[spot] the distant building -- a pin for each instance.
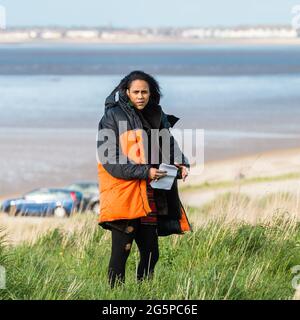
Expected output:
(51, 35)
(234, 33)
(113, 34)
(120, 35)
(8, 36)
(82, 34)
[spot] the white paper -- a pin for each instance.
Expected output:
(165, 182)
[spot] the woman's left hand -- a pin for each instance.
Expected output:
(184, 170)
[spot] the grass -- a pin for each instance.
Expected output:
(221, 259)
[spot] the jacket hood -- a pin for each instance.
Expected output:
(111, 102)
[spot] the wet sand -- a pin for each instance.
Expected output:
(37, 158)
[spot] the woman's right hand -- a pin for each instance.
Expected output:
(155, 174)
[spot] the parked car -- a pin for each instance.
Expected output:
(90, 191)
(44, 202)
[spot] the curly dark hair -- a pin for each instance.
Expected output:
(155, 92)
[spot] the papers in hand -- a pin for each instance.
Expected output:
(165, 182)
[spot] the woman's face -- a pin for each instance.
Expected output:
(139, 93)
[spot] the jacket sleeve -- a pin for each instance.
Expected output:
(111, 163)
(176, 155)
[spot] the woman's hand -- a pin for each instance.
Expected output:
(155, 174)
(184, 170)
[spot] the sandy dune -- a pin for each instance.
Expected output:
(262, 165)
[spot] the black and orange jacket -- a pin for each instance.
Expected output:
(122, 184)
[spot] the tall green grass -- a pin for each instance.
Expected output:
(219, 260)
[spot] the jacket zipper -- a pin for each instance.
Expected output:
(137, 119)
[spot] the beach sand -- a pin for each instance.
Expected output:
(256, 176)
(260, 164)
(163, 40)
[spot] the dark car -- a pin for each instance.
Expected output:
(44, 202)
(90, 191)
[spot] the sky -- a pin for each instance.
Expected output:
(147, 13)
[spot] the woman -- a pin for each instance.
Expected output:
(129, 207)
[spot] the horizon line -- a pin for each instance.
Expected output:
(148, 27)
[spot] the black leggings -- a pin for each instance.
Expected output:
(146, 239)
